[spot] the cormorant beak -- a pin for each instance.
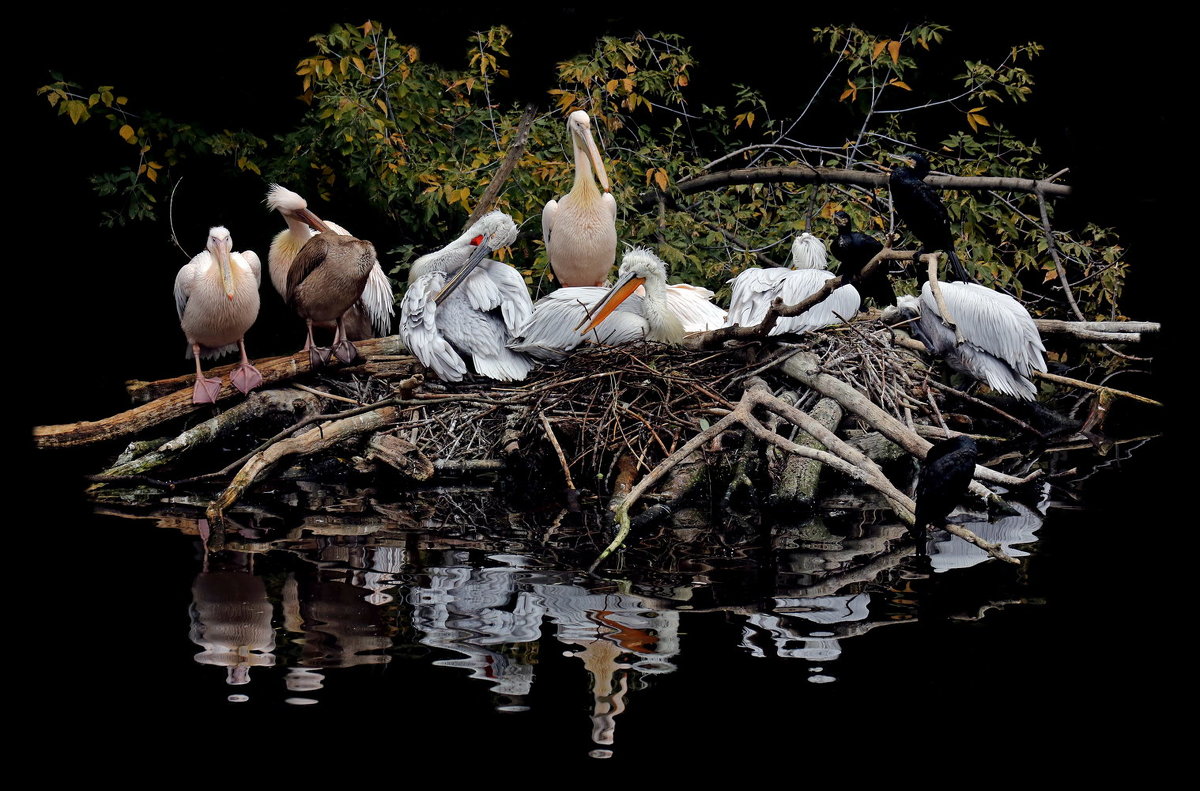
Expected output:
(615, 296)
(481, 251)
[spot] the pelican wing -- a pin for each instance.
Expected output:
(253, 263)
(515, 305)
(311, 256)
(693, 305)
(992, 321)
(378, 300)
(609, 203)
(184, 281)
(419, 331)
(548, 212)
(753, 292)
(549, 332)
(799, 284)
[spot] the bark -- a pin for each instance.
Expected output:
(401, 455)
(515, 149)
(797, 487)
(257, 405)
(312, 441)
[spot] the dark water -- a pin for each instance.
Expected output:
(456, 639)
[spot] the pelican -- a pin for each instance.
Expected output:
(216, 295)
(922, 210)
(580, 231)
(324, 283)
(461, 304)
(755, 289)
(1001, 346)
(642, 307)
(371, 316)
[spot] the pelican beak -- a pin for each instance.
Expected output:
(616, 295)
(593, 154)
(481, 251)
(223, 259)
(313, 220)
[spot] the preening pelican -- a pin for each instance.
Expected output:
(216, 295)
(372, 314)
(642, 307)
(580, 231)
(324, 282)
(461, 304)
(921, 208)
(1001, 346)
(855, 249)
(755, 289)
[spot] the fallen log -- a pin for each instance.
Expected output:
(312, 441)
(178, 403)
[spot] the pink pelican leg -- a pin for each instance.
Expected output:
(206, 390)
(245, 377)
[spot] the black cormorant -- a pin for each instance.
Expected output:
(922, 210)
(945, 476)
(855, 249)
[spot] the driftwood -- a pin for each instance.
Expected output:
(309, 442)
(797, 485)
(179, 403)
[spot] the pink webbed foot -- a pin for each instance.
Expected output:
(318, 356)
(206, 390)
(245, 377)
(345, 351)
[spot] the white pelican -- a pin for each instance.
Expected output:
(216, 295)
(1001, 345)
(324, 283)
(755, 289)
(580, 231)
(655, 312)
(461, 304)
(371, 315)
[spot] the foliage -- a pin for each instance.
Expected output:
(420, 141)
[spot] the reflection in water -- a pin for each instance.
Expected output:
(331, 595)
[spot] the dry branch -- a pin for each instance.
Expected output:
(803, 174)
(309, 442)
(515, 149)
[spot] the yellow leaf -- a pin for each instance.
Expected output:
(611, 86)
(358, 64)
(127, 134)
(971, 122)
(878, 48)
(979, 119)
(328, 67)
(852, 92)
(901, 84)
(367, 27)
(122, 99)
(923, 43)
(894, 51)
(661, 179)
(76, 111)
(382, 105)
(829, 209)
(152, 174)
(974, 109)
(1050, 275)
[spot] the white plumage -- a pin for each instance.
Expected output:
(1001, 346)
(377, 301)
(483, 301)
(755, 289)
(216, 297)
(580, 230)
(651, 310)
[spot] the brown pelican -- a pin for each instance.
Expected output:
(640, 307)
(1001, 346)
(755, 289)
(324, 282)
(461, 304)
(216, 295)
(372, 314)
(580, 231)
